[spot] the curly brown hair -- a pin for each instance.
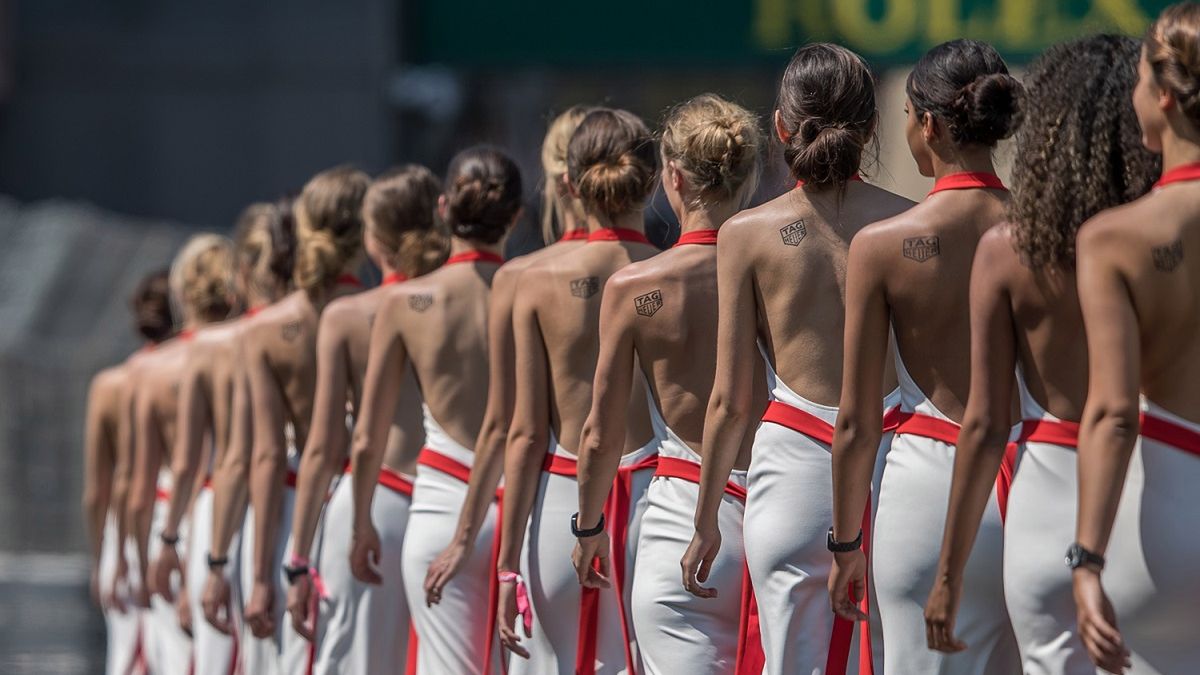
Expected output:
(1079, 146)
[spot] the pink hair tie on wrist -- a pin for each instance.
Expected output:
(523, 608)
(317, 582)
(298, 561)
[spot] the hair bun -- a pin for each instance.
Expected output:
(988, 109)
(483, 195)
(328, 226)
(612, 162)
(1173, 51)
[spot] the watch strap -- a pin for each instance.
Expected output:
(590, 532)
(836, 546)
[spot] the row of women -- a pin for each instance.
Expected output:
(850, 434)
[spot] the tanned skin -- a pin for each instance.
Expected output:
(106, 422)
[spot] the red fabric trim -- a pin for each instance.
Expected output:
(186, 334)
(289, 479)
(393, 278)
(1171, 433)
(1181, 173)
(927, 426)
(162, 495)
(891, 419)
(410, 668)
(474, 256)
(842, 636)
(1004, 478)
(494, 590)
(349, 280)
(1058, 432)
(452, 467)
(617, 512)
(799, 420)
(967, 180)
(395, 481)
(686, 469)
(577, 234)
(697, 237)
(559, 465)
(251, 311)
(751, 660)
(618, 234)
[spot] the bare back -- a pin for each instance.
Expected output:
(156, 387)
(213, 361)
(564, 294)
(442, 320)
(925, 256)
(796, 247)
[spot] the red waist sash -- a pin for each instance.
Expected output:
(447, 465)
(616, 514)
(390, 479)
(1058, 432)
(1170, 433)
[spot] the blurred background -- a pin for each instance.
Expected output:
(127, 125)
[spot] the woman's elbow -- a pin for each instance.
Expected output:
(523, 445)
(1120, 419)
(724, 409)
(984, 433)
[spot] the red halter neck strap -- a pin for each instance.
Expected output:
(1181, 173)
(800, 183)
(617, 234)
(186, 334)
(967, 180)
(349, 280)
(251, 311)
(577, 234)
(474, 256)
(393, 278)
(699, 237)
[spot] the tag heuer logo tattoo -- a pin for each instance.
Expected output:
(585, 287)
(291, 330)
(921, 248)
(793, 234)
(1167, 258)
(420, 303)
(648, 304)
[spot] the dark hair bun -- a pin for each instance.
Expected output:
(483, 194)
(966, 85)
(827, 103)
(151, 306)
(612, 161)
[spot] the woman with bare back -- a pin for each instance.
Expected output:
(561, 213)
(437, 324)
(612, 166)
(1078, 151)
(908, 277)
(279, 355)
(1135, 582)
(201, 284)
(108, 443)
(780, 280)
(205, 415)
(356, 627)
(658, 314)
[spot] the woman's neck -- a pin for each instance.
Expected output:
(1178, 150)
(627, 221)
(710, 218)
(460, 245)
(973, 160)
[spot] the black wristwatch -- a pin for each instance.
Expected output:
(294, 573)
(1078, 556)
(843, 547)
(217, 563)
(169, 541)
(591, 532)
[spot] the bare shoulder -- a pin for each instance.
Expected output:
(109, 380)
(1108, 232)
(880, 204)
(997, 246)
(748, 222)
(340, 314)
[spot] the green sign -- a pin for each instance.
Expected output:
(504, 33)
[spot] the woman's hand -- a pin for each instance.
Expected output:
(591, 561)
(218, 607)
(506, 620)
(160, 572)
(443, 568)
(698, 559)
(365, 553)
(941, 610)
(259, 610)
(848, 583)
(300, 605)
(1098, 623)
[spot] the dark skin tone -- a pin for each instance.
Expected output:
(674, 333)
(791, 298)
(489, 446)
(1138, 290)
(927, 304)
(437, 325)
(1018, 315)
(280, 357)
(555, 326)
(342, 348)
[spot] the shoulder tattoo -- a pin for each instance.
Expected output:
(585, 287)
(793, 233)
(648, 304)
(1167, 258)
(290, 330)
(921, 249)
(420, 302)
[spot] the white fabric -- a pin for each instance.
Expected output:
(362, 628)
(554, 589)
(168, 650)
(452, 635)
(285, 652)
(214, 651)
(676, 631)
(789, 488)
(123, 627)
(907, 541)
(1150, 574)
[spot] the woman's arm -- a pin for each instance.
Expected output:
(524, 454)
(731, 407)
(489, 446)
(98, 461)
(229, 506)
(984, 433)
(1108, 430)
(386, 361)
(268, 466)
(147, 460)
(603, 436)
(859, 426)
